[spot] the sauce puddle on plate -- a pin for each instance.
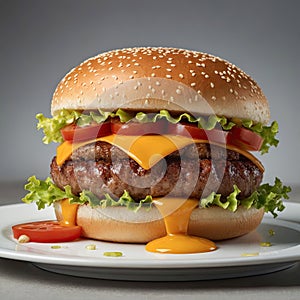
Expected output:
(176, 213)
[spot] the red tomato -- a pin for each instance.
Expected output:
(135, 128)
(47, 232)
(76, 133)
(192, 131)
(245, 139)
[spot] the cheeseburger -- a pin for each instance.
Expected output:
(155, 142)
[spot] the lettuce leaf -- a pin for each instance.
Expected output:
(268, 133)
(267, 196)
(46, 193)
(52, 126)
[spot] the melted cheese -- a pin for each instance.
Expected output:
(68, 213)
(176, 213)
(146, 150)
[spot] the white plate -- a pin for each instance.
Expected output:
(237, 257)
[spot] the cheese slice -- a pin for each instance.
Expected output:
(146, 150)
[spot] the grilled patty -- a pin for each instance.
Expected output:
(193, 172)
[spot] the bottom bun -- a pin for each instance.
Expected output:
(118, 224)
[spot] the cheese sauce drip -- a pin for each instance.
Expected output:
(68, 213)
(176, 213)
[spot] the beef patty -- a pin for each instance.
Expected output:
(193, 172)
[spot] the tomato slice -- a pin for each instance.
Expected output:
(135, 128)
(192, 131)
(245, 139)
(47, 232)
(77, 133)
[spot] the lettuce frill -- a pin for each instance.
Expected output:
(52, 126)
(45, 193)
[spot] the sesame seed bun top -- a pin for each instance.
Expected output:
(151, 79)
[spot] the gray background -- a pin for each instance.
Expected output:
(41, 40)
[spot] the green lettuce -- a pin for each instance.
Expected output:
(52, 126)
(266, 196)
(45, 193)
(267, 132)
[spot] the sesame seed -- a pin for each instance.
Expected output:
(131, 77)
(153, 75)
(157, 83)
(178, 91)
(213, 98)
(181, 75)
(193, 84)
(212, 85)
(109, 69)
(168, 76)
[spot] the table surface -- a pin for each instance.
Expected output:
(22, 280)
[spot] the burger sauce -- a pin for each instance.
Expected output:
(176, 213)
